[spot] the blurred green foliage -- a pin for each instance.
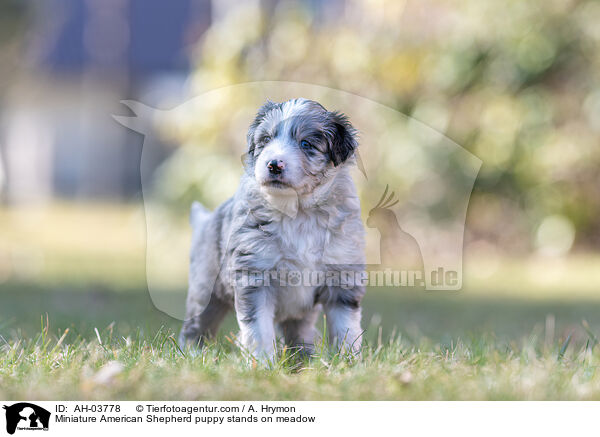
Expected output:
(13, 14)
(513, 82)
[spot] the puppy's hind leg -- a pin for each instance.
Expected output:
(197, 328)
(301, 333)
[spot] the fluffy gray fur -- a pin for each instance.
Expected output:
(304, 217)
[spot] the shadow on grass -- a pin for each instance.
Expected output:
(438, 317)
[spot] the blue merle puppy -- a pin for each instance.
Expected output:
(296, 210)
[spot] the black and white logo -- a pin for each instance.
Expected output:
(26, 416)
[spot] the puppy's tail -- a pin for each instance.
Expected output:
(198, 214)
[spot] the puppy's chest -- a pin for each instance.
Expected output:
(300, 246)
(301, 241)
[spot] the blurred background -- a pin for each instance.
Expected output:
(514, 83)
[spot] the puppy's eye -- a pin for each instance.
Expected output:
(305, 144)
(265, 139)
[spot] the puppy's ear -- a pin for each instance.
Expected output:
(343, 142)
(260, 116)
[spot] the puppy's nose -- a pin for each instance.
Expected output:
(275, 166)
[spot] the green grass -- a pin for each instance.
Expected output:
(505, 336)
(151, 366)
(417, 346)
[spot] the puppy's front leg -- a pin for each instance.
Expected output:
(343, 322)
(255, 313)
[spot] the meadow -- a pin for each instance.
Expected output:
(77, 322)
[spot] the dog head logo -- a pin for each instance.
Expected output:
(430, 175)
(26, 416)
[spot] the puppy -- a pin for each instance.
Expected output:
(295, 213)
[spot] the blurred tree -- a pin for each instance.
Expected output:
(513, 82)
(12, 21)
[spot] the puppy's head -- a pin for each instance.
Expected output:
(297, 146)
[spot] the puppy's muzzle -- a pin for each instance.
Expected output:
(275, 166)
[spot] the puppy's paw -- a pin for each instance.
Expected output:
(262, 360)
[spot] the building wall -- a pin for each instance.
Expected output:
(57, 136)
